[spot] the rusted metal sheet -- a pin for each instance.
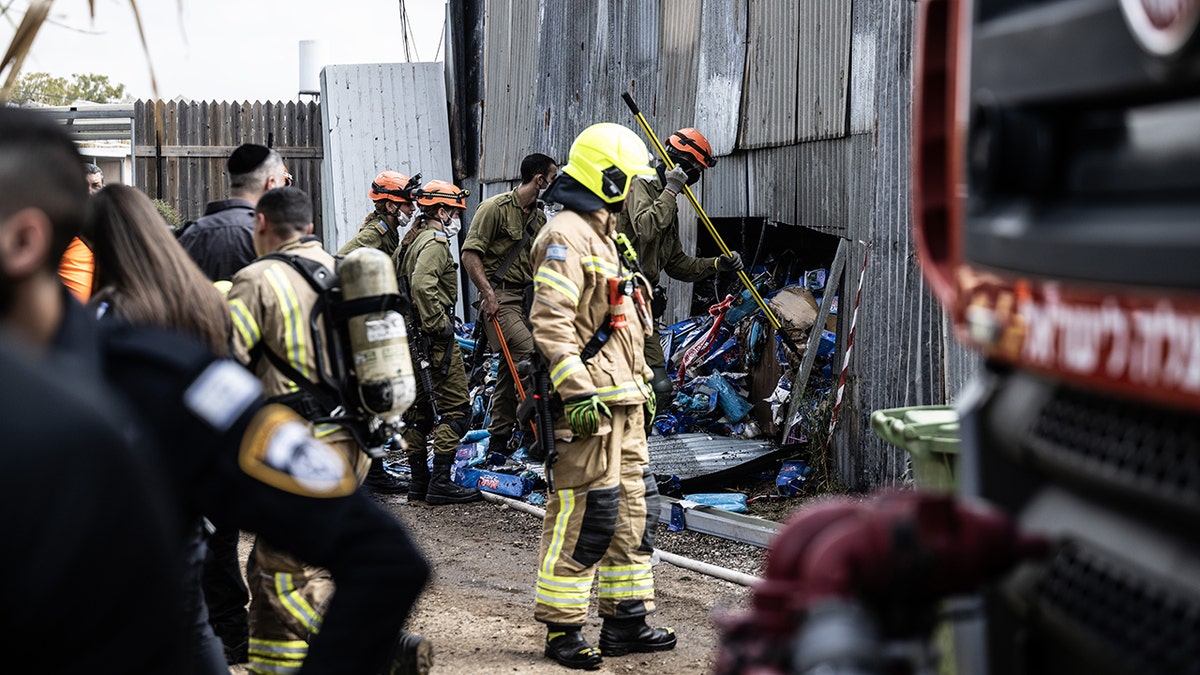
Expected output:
(511, 48)
(720, 71)
(671, 104)
(770, 91)
(724, 189)
(823, 69)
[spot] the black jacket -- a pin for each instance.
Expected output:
(221, 241)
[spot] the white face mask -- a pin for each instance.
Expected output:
(402, 220)
(452, 227)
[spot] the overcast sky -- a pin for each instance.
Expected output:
(225, 50)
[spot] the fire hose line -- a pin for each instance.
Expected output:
(723, 573)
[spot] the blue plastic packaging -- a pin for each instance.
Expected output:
(733, 405)
(792, 477)
(734, 502)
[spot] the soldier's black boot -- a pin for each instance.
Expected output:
(442, 490)
(413, 655)
(619, 637)
(565, 644)
(418, 485)
(379, 480)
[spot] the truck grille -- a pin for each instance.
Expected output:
(1147, 451)
(1150, 628)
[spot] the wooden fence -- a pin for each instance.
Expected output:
(181, 147)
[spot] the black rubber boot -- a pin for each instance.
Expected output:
(619, 637)
(413, 655)
(418, 485)
(568, 648)
(442, 490)
(378, 480)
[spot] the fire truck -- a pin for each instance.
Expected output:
(1056, 174)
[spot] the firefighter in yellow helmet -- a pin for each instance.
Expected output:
(426, 268)
(650, 220)
(600, 515)
(391, 192)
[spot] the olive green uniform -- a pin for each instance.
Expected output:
(377, 231)
(433, 291)
(499, 225)
(651, 221)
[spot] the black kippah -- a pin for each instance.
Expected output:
(247, 157)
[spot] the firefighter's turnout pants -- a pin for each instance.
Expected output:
(288, 598)
(600, 518)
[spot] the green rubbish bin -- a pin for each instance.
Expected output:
(930, 436)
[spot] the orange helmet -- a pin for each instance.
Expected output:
(437, 192)
(692, 143)
(392, 186)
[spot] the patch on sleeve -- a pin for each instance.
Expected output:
(280, 450)
(556, 252)
(381, 227)
(222, 393)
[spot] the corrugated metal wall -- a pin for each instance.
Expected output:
(183, 161)
(807, 105)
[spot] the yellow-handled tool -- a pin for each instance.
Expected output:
(708, 224)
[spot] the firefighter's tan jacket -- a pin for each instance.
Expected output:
(574, 256)
(271, 304)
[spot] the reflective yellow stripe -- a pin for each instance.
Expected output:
(565, 369)
(618, 391)
(566, 500)
(563, 591)
(323, 430)
(244, 321)
(558, 281)
(296, 649)
(265, 666)
(294, 325)
(626, 582)
(295, 604)
(592, 263)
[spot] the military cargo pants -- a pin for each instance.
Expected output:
(450, 395)
(600, 520)
(511, 316)
(288, 597)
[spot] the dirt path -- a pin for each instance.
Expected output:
(479, 608)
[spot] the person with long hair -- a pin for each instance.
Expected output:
(144, 276)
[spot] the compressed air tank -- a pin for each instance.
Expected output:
(378, 339)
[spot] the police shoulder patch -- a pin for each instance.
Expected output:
(280, 450)
(556, 252)
(222, 393)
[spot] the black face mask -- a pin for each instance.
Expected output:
(693, 174)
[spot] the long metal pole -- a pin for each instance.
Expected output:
(512, 367)
(708, 224)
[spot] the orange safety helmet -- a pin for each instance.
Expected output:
(392, 186)
(437, 192)
(690, 142)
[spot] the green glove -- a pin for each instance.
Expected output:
(651, 408)
(583, 415)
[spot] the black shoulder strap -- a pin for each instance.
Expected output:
(515, 251)
(320, 277)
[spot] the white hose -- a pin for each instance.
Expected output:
(716, 571)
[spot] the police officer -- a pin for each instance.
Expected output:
(582, 290)
(650, 220)
(496, 257)
(227, 454)
(391, 192)
(425, 266)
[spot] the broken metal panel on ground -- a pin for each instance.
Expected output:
(691, 456)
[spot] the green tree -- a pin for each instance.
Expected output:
(47, 89)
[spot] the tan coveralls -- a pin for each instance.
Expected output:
(498, 225)
(271, 303)
(601, 515)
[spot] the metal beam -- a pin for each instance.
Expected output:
(716, 522)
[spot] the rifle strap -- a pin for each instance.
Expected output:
(515, 251)
(598, 339)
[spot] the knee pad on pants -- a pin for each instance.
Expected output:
(599, 524)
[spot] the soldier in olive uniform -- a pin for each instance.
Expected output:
(426, 266)
(503, 275)
(651, 221)
(391, 192)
